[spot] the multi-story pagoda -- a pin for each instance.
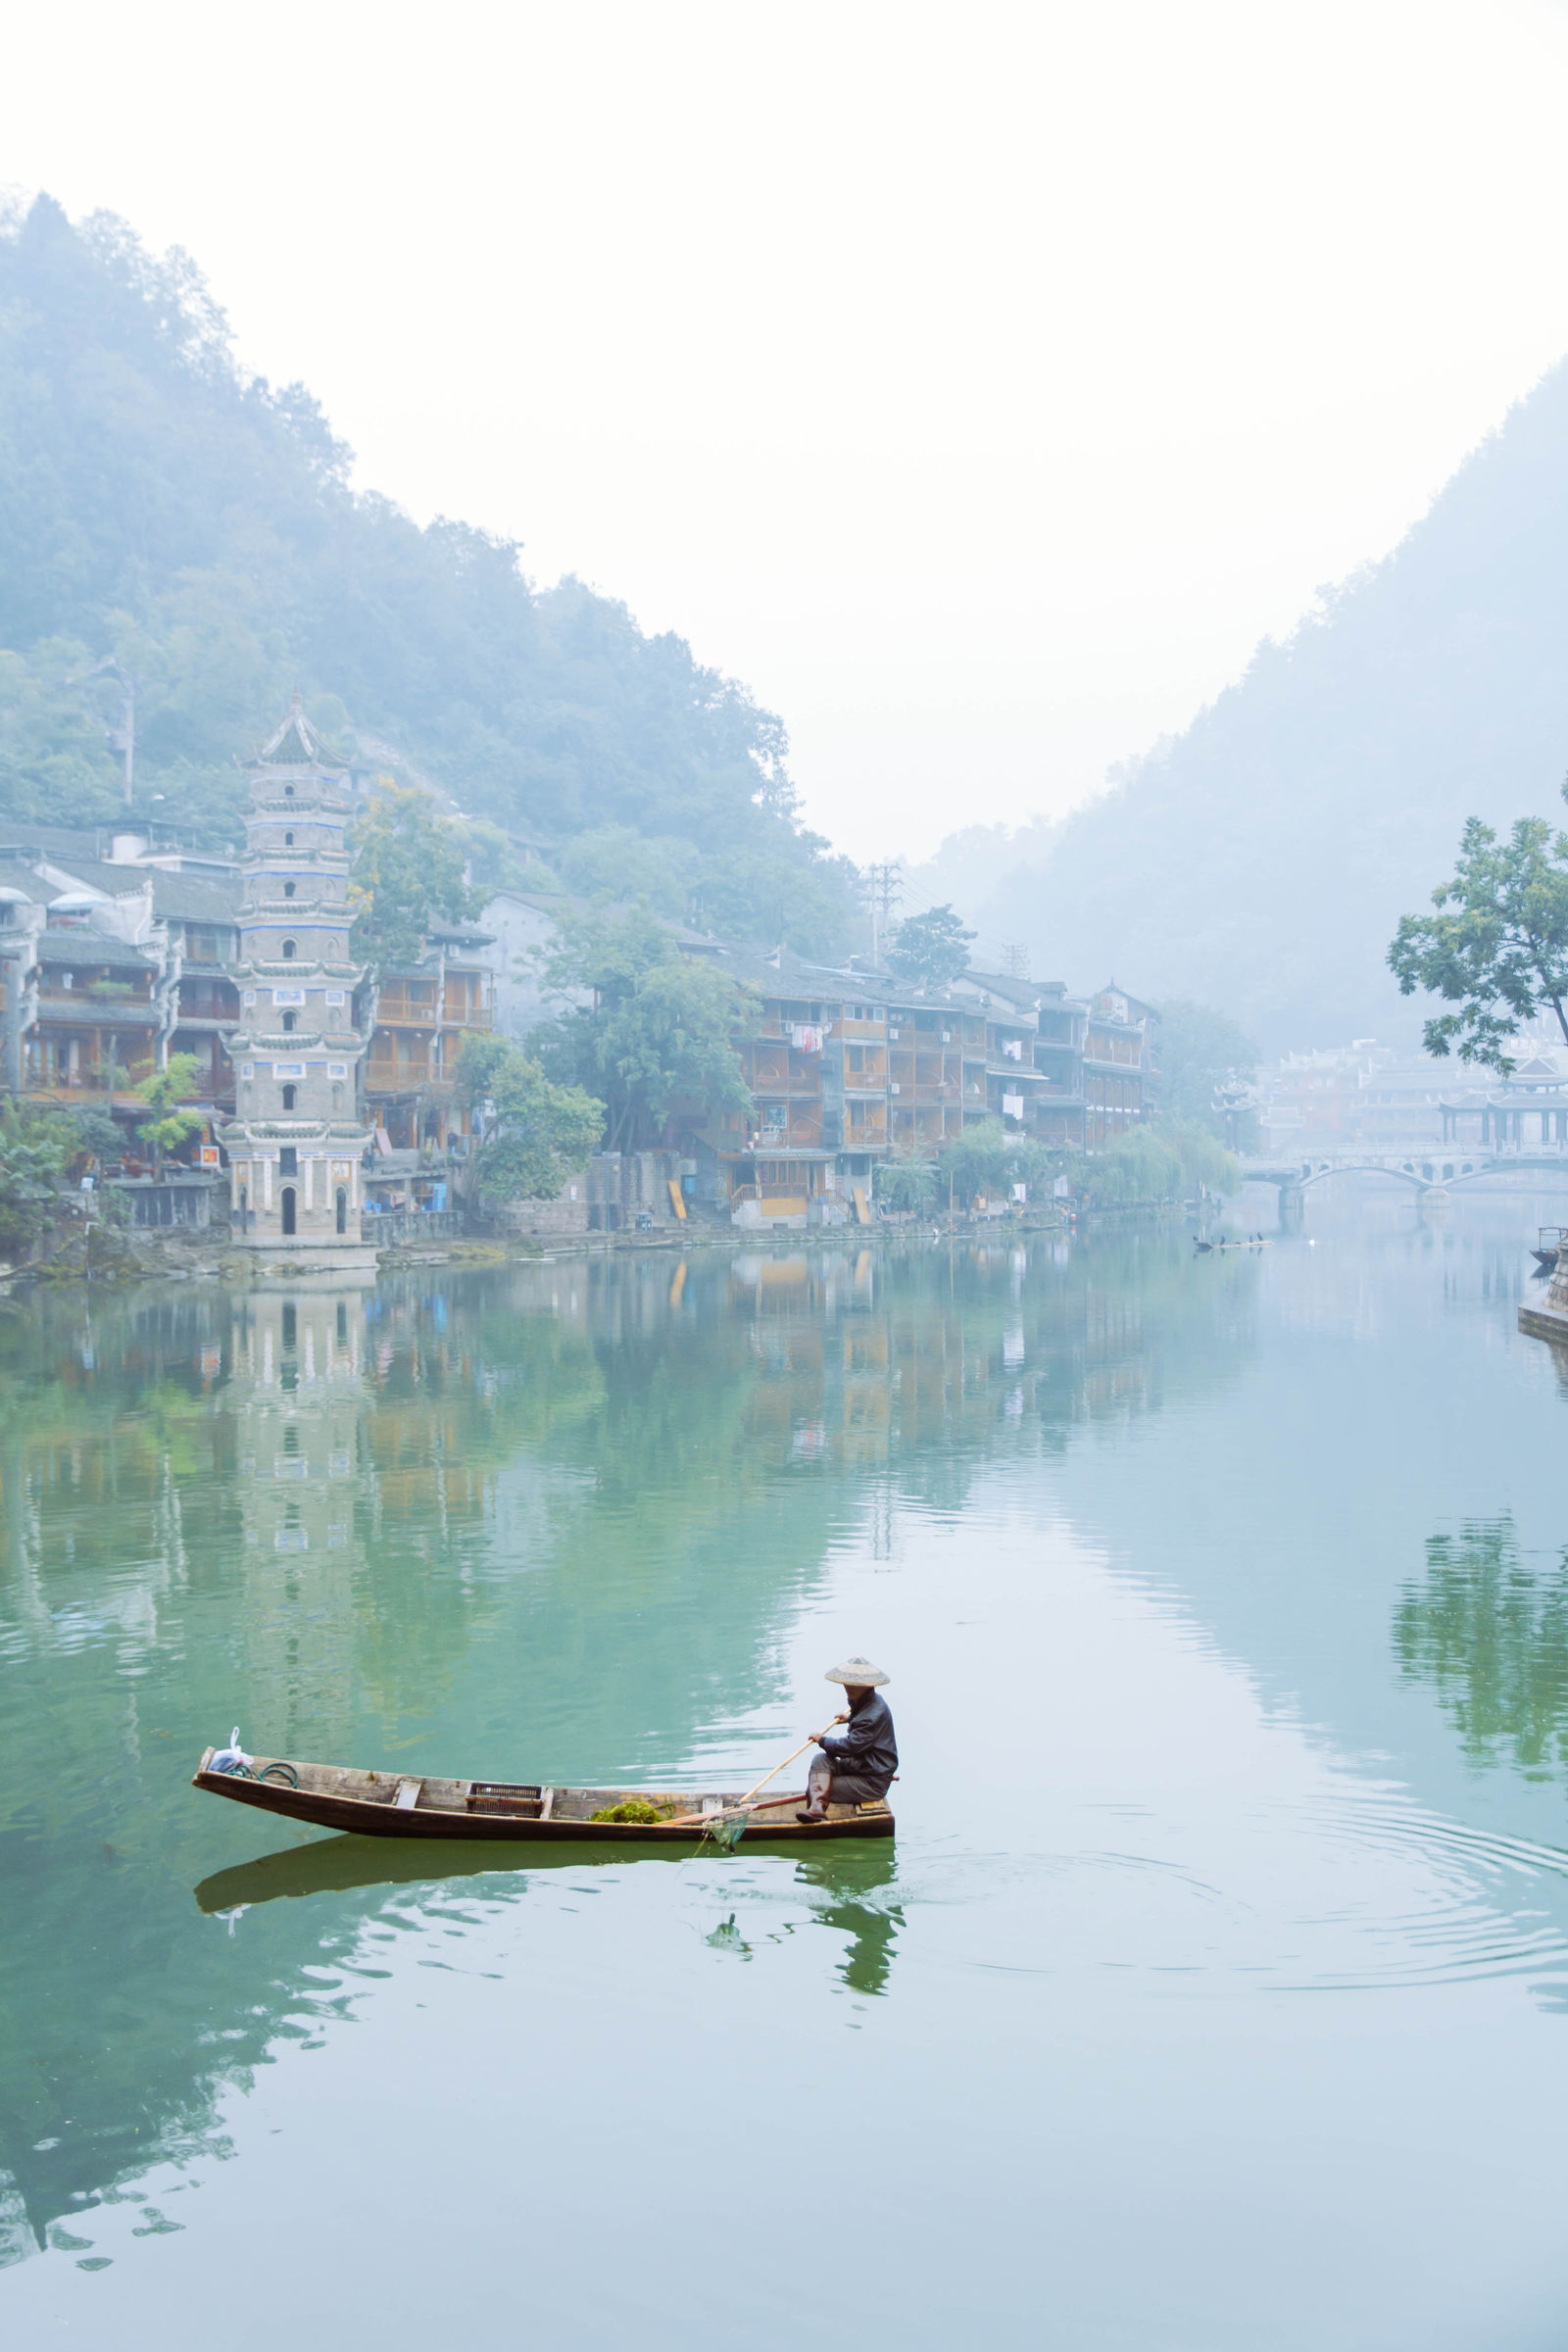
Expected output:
(294, 1144)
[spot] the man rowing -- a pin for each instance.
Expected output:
(857, 1767)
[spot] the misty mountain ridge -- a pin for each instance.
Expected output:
(1259, 861)
(162, 510)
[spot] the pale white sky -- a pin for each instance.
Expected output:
(976, 382)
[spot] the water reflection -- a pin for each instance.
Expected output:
(1489, 1630)
(851, 1882)
(550, 1519)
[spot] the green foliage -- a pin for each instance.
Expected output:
(407, 875)
(1205, 1061)
(37, 1147)
(932, 949)
(905, 1182)
(163, 1125)
(613, 863)
(987, 1157)
(787, 888)
(660, 1034)
(1498, 945)
(96, 1135)
(1152, 1166)
(535, 1134)
(161, 507)
(494, 864)
(56, 766)
(1490, 1634)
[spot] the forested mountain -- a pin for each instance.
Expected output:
(160, 508)
(1261, 861)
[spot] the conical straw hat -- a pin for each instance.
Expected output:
(856, 1674)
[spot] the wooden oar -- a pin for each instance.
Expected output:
(686, 1821)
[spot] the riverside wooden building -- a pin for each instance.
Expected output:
(848, 1067)
(117, 951)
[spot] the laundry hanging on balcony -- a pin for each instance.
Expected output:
(806, 1037)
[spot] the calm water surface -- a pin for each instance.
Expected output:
(1213, 1994)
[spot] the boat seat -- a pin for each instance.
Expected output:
(408, 1795)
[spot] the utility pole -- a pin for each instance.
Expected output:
(1015, 960)
(884, 885)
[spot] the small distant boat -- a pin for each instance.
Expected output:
(392, 1804)
(1549, 1239)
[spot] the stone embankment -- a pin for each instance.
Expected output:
(113, 1254)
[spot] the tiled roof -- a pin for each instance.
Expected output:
(195, 898)
(78, 950)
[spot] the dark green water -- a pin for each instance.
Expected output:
(1214, 1994)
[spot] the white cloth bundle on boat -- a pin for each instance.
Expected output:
(232, 1758)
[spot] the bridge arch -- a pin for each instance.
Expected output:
(1423, 1171)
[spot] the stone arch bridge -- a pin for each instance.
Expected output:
(1440, 1169)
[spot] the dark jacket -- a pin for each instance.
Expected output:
(866, 1746)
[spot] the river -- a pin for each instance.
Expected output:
(1213, 1994)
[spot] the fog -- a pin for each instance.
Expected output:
(978, 386)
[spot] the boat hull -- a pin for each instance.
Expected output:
(381, 1806)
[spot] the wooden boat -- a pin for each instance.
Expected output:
(392, 1804)
(1550, 1241)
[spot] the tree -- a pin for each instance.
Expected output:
(36, 1150)
(1152, 1165)
(659, 1035)
(932, 949)
(1498, 945)
(162, 1124)
(534, 1135)
(986, 1157)
(164, 507)
(906, 1183)
(615, 862)
(408, 876)
(1206, 1064)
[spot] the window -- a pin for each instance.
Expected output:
(288, 792)
(288, 841)
(288, 1161)
(337, 1070)
(288, 1098)
(288, 1069)
(288, 1024)
(247, 1070)
(334, 996)
(288, 1211)
(342, 1215)
(289, 889)
(288, 950)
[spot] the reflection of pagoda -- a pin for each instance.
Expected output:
(295, 1143)
(297, 1396)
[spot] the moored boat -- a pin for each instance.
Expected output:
(393, 1805)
